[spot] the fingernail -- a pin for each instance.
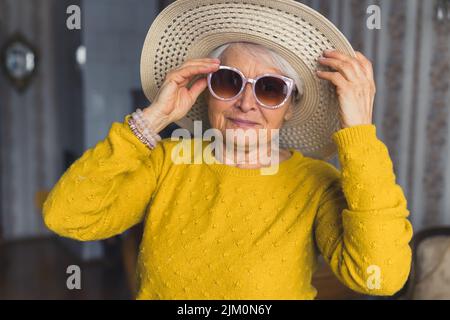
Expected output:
(328, 50)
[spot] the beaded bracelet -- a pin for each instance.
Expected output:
(144, 127)
(138, 134)
(141, 129)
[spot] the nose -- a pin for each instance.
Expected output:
(247, 100)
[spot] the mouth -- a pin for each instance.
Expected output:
(243, 123)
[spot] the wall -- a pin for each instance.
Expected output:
(113, 33)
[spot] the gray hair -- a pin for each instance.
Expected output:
(268, 56)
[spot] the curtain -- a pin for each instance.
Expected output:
(30, 158)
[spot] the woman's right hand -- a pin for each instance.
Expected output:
(174, 99)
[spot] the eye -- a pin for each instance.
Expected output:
(236, 79)
(268, 86)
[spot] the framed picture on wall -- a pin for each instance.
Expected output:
(19, 61)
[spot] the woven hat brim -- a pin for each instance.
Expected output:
(189, 29)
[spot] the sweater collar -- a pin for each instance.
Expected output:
(284, 166)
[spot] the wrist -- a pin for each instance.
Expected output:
(149, 139)
(155, 120)
(355, 135)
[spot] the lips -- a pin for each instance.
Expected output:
(243, 122)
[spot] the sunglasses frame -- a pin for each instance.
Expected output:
(289, 82)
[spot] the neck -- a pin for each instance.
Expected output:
(250, 157)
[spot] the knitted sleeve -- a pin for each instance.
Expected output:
(107, 190)
(361, 226)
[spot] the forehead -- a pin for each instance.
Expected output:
(244, 60)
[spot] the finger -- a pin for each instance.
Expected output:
(349, 70)
(335, 77)
(336, 55)
(197, 88)
(183, 75)
(195, 64)
(199, 64)
(365, 63)
(200, 61)
(206, 69)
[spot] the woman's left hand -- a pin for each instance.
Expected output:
(354, 83)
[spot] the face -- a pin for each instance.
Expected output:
(225, 115)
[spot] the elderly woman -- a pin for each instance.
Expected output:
(223, 230)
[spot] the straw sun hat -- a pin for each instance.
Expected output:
(189, 29)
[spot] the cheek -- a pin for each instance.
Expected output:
(274, 118)
(216, 113)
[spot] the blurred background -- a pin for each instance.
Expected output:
(75, 83)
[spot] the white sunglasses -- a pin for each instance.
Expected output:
(271, 91)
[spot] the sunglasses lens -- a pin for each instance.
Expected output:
(226, 83)
(271, 91)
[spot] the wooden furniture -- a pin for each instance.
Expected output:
(329, 287)
(429, 278)
(130, 251)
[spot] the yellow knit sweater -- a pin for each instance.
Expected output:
(214, 231)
